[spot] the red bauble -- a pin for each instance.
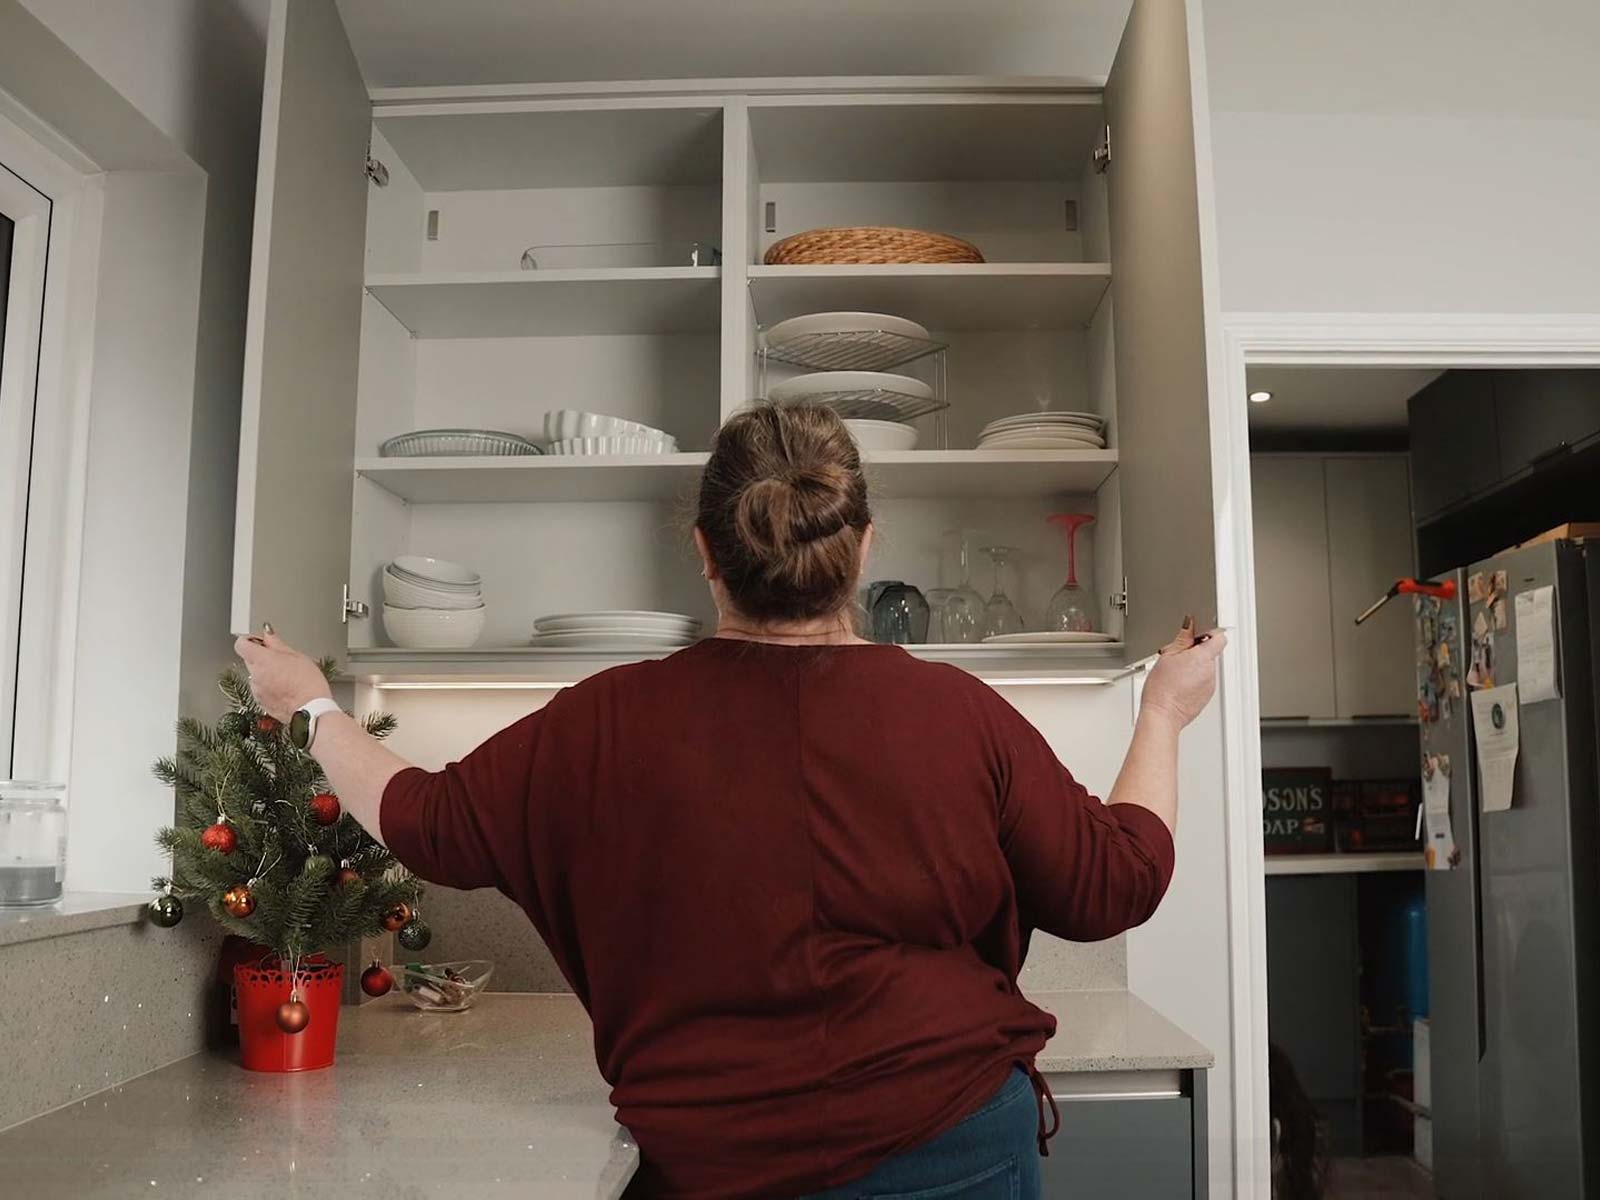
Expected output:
(346, 876)
(267, 726)
(325, 808)
(221, 838)
(376, 980)
(396, 917)
(293, 1016)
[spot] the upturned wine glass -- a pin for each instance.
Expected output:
(1000, 615)
(1069, 607)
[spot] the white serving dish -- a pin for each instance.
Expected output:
(454, 443)
(571, 423)
(623, 444)
(843, 322)
(882, 435)
(433, 629)
(820, 384)
(612, 641)
(404, 593)
(618, 619)
(435, 572)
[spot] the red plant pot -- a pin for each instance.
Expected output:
(264, 985)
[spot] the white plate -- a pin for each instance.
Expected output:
(629, 619)
(1075, 431)
(843, 322)
(1040, 442)
(828, 383)
(1050, 639)
(612, 641)
(1087, 420)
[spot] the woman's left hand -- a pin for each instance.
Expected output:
(281, 678)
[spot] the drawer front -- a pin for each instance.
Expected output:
(1115, 1149)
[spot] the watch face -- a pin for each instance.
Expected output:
(300, 729)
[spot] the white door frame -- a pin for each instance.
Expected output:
(1330, 340)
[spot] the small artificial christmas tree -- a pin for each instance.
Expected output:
(264, 844)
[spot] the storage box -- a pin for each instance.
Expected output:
(1296, 810)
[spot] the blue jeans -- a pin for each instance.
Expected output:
(991, 1155)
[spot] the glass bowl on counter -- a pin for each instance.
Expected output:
(445, 986)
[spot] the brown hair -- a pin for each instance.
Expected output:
(783, 506)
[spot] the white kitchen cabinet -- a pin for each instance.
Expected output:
(1370, 546)
(380, 309)
(1332, 534)
(1294, 616)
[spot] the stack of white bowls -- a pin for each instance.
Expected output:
(568, 431)
(431, 604)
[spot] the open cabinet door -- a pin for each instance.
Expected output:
(1159, 311)
(302, 343)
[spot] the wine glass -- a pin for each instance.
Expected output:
(963, 611)
(938, 599)
(999, 614)
(1068, 612)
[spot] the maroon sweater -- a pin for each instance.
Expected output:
(793, 886)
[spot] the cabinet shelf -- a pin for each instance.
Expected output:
(495, 304)
(1344, 864)
(515, 666)
(941, 296)
(899, 474)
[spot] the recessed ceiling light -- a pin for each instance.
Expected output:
(1260, 397)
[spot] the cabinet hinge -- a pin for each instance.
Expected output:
(376, 171)
(352, 607)
(1102, 152)
(1119, 600)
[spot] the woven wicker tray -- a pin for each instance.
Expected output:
(871, 244)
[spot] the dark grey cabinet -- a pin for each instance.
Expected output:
(1114, 1149)
(1540, 414)
(1455, 446)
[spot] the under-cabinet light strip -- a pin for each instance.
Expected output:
(516, 685)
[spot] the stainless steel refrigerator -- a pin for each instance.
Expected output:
(1514, 929)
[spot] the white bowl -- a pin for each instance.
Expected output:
(436, 571)
(570, 423)
(882, 435)
(432, 628)
(405, 593)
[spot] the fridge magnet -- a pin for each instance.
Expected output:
(1499, 583)
(1481, 673)
(1440, 852)
(1475, 588)
(1499, 610)
(1480, 626)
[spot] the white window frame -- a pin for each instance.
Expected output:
(57, 244)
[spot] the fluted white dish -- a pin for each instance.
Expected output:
(572, 423)
(882, 435)
(435, 572)
(623, 444)
(433, 629)
(402, 592)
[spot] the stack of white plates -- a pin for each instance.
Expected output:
(1045, 431)
(427, 443)
(431, 604)
(615, 630)
(569, 431)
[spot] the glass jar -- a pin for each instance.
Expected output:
(33, 843)
(899, 613)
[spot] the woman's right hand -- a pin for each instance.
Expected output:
(1184, 678)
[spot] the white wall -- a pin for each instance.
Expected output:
(1428, 157)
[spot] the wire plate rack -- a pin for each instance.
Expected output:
(855, 350)
(879, 404)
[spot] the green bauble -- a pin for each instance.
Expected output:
(415, 934)
(236, 724)
(318, 862)
(166, 910)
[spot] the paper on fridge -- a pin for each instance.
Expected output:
(1494, 728)
(1536, 645)
(1440, 853)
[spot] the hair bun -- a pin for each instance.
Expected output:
(783, 505)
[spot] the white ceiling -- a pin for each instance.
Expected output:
(1335, 399)
(417, 43)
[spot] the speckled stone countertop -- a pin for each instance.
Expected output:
(1113, 1031)
(503, 1100)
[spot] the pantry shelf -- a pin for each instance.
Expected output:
(537, 667)
(955, 296)
(1344, 864)
(899, 474)
(568, 303)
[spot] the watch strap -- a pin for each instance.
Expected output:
(307, 717)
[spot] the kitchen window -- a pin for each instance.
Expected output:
(24, 240)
